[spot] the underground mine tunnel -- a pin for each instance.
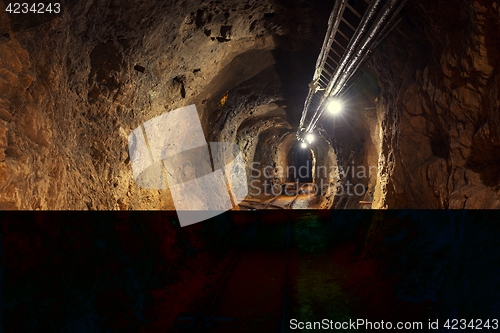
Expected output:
(419, 126)
(336, 115)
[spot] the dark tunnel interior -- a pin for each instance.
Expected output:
(302, 164)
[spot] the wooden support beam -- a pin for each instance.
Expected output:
(353, 10)
(348, 24)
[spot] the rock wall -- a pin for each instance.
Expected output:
(74, 85)
(423, 114)
(439, 107)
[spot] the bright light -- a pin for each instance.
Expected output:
(310, 138)
(334, 107)
(303, 145)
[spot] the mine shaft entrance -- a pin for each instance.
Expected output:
(301, 164)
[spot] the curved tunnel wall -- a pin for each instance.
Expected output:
(75, 85)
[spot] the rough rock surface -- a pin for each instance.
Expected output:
(74, 85)
(439, 108)
(424, 112)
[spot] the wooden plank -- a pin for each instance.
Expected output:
(338, 55)
(348, 24)
(326, 71)
(336, 63)
(343, 35)
(353, 10)
(336, 42)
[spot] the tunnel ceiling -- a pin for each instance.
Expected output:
(423, 110)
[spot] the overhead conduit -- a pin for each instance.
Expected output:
(373, 24)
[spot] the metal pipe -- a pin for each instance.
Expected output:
(351, 65)
(383, 19)
(333, 23)
(384, 34)
(355, 40)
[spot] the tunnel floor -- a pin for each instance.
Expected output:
(252, 271)
(288, 266)
(289, 196)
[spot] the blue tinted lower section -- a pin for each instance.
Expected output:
(107, 271)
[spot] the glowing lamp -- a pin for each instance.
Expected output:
(334, 107)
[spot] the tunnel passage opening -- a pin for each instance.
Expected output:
(302, 163)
